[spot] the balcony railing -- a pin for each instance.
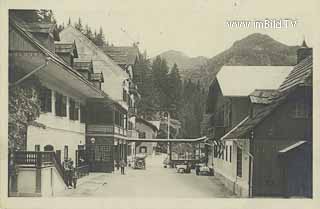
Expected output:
(106, 129)
(43, 159)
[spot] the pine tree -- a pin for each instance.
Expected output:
(100, 39)
(78, 25)
(174, 90)
(27, 15)
(88, 33)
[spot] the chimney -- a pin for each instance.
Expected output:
(303, 52)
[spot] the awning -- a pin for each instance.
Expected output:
(235, 128)
(169, 140)
(291, 147)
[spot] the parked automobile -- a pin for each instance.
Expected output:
(140, 162)
(204, 170)
(184, 168)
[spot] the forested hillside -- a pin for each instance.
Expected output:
(162, 89)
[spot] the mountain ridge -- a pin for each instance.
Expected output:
(254, 49)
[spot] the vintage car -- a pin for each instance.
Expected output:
(183, 168)
(204, 170)
(140, 162)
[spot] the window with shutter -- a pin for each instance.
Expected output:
(227, 147)
(82, 114)
(45, 99)
(230, 158)
(239, 162)
(73, 109)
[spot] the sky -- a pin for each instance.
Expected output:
(195, 27)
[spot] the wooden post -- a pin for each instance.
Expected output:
(170, 151)
(38, 171)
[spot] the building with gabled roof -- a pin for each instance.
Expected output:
(108, 125)
(268, 152)
(246, 79)
(63, 95)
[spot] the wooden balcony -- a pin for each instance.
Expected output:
(106, 129)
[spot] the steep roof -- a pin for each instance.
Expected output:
(276, 99)
(55, 58)
(38, 27)
(301, 74)
(243, 80)
(122, 55)
(104, 63)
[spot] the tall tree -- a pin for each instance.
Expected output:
(33, 15)
(78, 25)
(160, 79)
(100, 39)
(88, 33)
(174, 90)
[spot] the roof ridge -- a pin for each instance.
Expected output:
(50, 54)
(97, 48)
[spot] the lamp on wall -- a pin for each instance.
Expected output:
(92, 140)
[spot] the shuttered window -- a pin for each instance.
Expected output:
(230, 158)
(239, 162)
(227, 147)
(61, 105)
(73, 109)
(45, 99)
(82, 114)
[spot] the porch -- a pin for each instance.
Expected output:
(33, 173)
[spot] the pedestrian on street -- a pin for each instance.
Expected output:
(67, 165)
(70, 173)
(117, 165)
(122, 165)
(74, 177)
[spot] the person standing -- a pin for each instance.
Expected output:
(74, 177)
(122, 165)
(67, 172)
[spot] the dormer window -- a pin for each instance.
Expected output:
(85, 68)
(67, 51)
(97, 79)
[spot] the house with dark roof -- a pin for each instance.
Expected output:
(64, 93)
(125, 56)
(268, 151)
(109, 124)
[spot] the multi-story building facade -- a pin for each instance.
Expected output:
(107, 122)
(229, 105)
(268, 151)
(63, 94)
